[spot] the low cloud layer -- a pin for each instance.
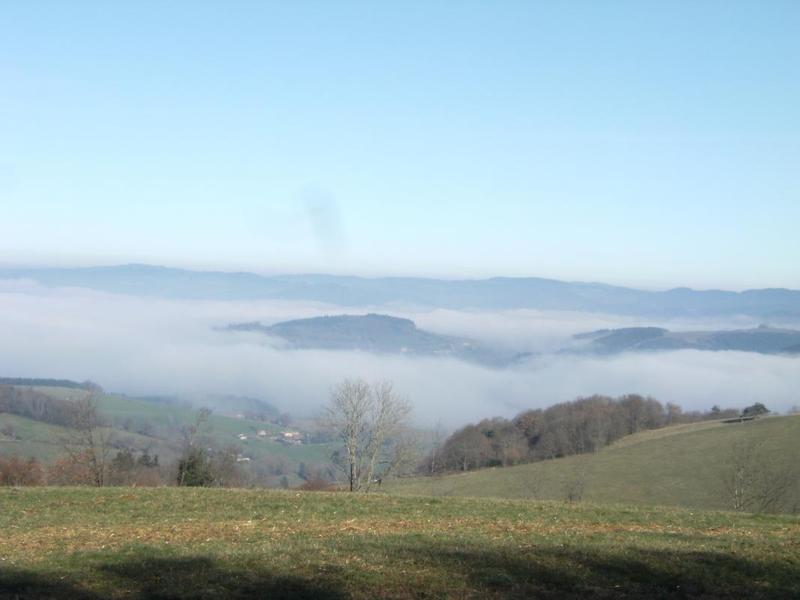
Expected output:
(155, 346)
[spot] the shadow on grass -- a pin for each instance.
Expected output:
(184, 577)
(548, 572)
(18, 584)
(432, 569)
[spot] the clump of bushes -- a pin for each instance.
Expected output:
(18, 471)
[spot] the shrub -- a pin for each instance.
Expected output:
(194, 469)
(68, 471)
(17, 471)
(317, 484)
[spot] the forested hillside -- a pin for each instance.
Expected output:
(576, 427)
(746, 465)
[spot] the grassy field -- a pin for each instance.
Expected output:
(678, 466)
(211, 543)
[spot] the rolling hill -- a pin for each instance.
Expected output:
(386, 334)
(763, 340)
(377, 333)
(682, 465)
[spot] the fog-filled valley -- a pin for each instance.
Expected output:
(167, 346)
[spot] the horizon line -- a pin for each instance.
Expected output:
(211, 270)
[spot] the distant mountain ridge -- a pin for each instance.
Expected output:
(763, 340)
(379, 334)
(495, 293)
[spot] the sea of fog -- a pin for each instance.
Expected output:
(154, 346)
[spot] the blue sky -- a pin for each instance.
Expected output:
(644, 143)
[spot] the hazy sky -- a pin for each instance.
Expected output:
(643, 143)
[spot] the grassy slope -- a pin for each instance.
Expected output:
(161, 415)
(45, 441)
(36, 439)
(223, 429)
(673, 466)
(206, 543)
(41, 440)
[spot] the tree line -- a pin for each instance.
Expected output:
(88, 385)
(32, 404)
(580, 426)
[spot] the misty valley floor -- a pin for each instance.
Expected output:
(204, 543)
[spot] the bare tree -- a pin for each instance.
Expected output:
(754, 479)
(194, 465)
(225, 469)
(437, 438)
(346, 416)
(533, 482)
(89, 441)
(369, 421)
